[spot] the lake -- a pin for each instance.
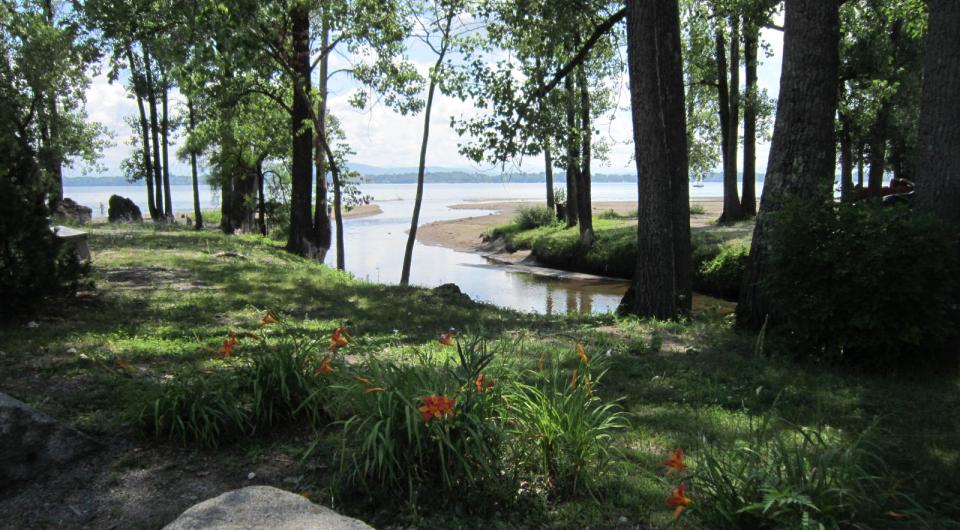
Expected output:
(375, 245)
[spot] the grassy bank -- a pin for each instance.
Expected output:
(166, 297)
(719, 252)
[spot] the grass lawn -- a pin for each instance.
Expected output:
(166, 296)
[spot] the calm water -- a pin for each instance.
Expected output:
(375, 245)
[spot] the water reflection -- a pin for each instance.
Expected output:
(375, 246)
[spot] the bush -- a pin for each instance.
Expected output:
(786, 476)
(862, 284)
(722, 275)
(33, 263)
(530, 217)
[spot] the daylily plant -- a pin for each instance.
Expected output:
(674, 461)
(437, 406)
(679, 500)
(338, 338)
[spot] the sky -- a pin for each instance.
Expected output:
(384, 138)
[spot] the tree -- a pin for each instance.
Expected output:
(938, 188)
(440, 22)
(801, 163)
(661, 284)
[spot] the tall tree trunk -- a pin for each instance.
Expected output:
(138, 89)
(661, 283)
(938, 182)
(846, 159)
(54, 162)
(261, 203)
(878, 150)
(321, 214)
(421, 170)
(302, 238)
(729, 113)
(860, 168)
(548, 171)
(801, 164)
(751, 39)
(573, 150)
(155, 134)
(197, 213)
(165, 131)
(584, 202)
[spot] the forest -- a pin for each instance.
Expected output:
(782, 355)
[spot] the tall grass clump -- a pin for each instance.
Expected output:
(422, 428)
(192, 407)
(786, 476)
(560, 429)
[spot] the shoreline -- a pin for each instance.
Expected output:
(466, 234)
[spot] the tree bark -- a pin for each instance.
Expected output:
(261, 203)
(164, 131)
(548, 171)
(878, 150)
(661, 283)
(751, 39)
(54, 162)
(846, 159)
(421, 170)
(155, 134)
(801, 164)
(197, 213)
(144, 132)
(584, 202)
(321, 215)
(729, 111)
(938, 180)
(302, 239)
(573, 149)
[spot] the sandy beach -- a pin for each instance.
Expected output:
(466, 235)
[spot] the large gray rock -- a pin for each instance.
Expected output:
(262, 507)
(32, 442)
(123, 210)
(71, 210)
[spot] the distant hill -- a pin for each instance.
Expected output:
(379, 175)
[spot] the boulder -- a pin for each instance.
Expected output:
(70, 210)
(32, 442)
(262, 507)
(449, 292)
(123, 210)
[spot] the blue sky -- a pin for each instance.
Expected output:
(382, 137)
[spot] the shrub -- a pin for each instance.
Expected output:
(861, 284)
(697, 209)
(33, 263)
(529, 217)
(560, 430)
(786, 476)
(722, 275)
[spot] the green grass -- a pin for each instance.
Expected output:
(614, 251)
(167, 294)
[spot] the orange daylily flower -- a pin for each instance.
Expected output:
(582, 353)
(338, 338)
(447, 338)
(483, 383)
(269, 318)
(680, 500)
(374, 389)
(325, 367)
(674, 461)
(437, 406)
(573, 379)
(226, 350)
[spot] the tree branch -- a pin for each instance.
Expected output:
(598, 32)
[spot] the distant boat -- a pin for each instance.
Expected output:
(699, 182)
